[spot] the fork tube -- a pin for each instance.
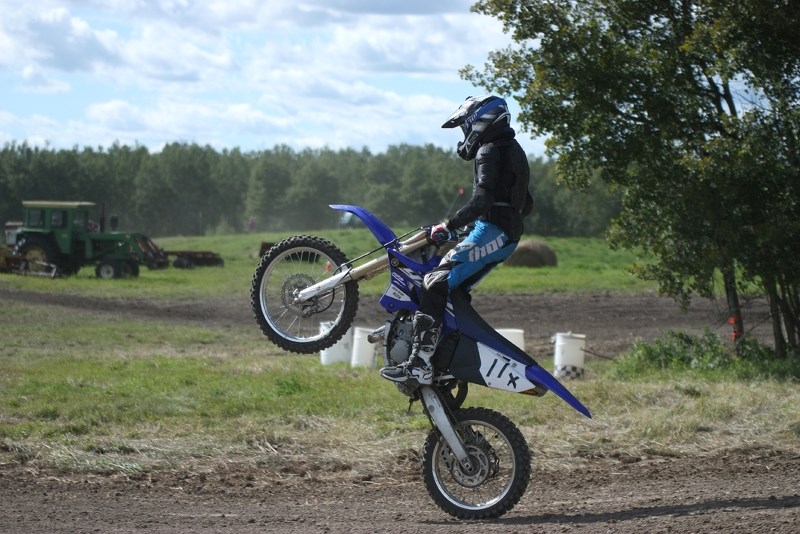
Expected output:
(362, 272)
(442, 421)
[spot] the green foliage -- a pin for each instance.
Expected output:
(562, 210)
(187, 189)
(679, 353)
(692, 111)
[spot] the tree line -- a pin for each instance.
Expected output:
(188, 189)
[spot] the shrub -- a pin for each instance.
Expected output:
(704, 354)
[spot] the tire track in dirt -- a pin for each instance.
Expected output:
(738, 491)
(611, 322)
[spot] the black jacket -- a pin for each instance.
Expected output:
(501, 176)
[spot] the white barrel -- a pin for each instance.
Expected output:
(340, 351)
(514, 335)
(569, 355)
(363, 351)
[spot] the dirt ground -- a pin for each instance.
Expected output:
(754, 490)
(611, 323)
(747, 491)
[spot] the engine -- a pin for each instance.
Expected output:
(397, 340)
(398, 334)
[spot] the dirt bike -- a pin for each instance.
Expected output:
(475, 461)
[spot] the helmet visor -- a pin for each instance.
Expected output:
(466, 108)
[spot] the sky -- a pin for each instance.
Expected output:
(248, 74)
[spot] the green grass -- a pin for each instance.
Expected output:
(95, 392)
(102, 392)
(584, 265)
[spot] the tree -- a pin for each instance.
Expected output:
(189, 189)
(559, 210)
(230, 172)
(270, 176)
(673, 102)
(152, 201)
(313, 188)
(124, 165)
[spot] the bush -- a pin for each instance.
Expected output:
(704, 354)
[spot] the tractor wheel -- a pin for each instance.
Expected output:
(39, 253)
(108, 269)
(134, 268)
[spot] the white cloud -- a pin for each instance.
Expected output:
(162, 52)
(117, 115)
(35, 79)
(69, 43)
(247, 73)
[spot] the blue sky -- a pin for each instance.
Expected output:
(239, 73)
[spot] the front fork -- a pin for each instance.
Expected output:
(439, 415)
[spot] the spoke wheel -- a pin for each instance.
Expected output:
(500, 466)
(286, 269)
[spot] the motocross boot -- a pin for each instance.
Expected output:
(417, 370)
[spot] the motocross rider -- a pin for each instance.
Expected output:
(500, 200)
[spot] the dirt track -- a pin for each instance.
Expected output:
(744, 491)
(741, 491)
(610, 322)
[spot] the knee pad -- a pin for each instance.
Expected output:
(436, 281)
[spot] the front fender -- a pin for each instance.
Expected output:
(382, 233)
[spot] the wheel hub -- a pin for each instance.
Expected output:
(484, 463)
(292, 286)
(478, 473)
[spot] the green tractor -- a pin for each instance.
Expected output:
(59, 237)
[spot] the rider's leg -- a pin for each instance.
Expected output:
(418, 368)
(466, 264)
(426, 329)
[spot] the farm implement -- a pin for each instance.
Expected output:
(58, 238)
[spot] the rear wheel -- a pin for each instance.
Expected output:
(286, 269)
(40, 254)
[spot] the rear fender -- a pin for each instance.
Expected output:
(539, 376)
(485, 357)
(473, 361)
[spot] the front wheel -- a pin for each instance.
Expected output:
(501, 466)
(289, 267)
(108, 269)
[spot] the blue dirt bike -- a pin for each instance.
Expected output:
(475, 461)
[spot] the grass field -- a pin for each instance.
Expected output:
(584, 265)
(101, 392)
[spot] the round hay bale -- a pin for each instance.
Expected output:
(532, 253)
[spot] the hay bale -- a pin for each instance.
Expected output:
(532, 253)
